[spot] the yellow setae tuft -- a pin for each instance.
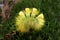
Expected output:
(26, 20)
(21, 14)
(34, 12)
(27, 11)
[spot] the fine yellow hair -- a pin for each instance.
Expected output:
(27, 19)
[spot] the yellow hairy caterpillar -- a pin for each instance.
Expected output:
(27, 19)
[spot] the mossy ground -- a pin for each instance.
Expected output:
(51, 30)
